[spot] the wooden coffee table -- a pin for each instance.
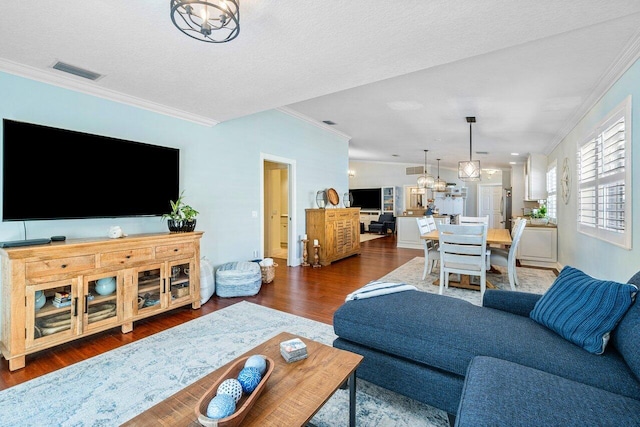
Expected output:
(293, 394)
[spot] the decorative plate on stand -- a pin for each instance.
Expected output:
(332, 194)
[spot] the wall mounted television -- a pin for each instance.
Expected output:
(50, 173)
(367, 198)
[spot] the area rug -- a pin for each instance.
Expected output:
(113, 387)
(367, 237)
(533, 280)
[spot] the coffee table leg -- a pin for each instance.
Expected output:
(352, 399)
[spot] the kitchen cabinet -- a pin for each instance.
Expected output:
(539, 246)
(58, 292)
(535, 177)
(448, 204)
(337, 231)
(408, 234)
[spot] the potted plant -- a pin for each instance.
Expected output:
(182, 217)
(539, 216)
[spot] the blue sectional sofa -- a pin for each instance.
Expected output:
(492, 365)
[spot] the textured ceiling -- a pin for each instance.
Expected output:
(397, 78)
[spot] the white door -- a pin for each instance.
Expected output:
(489, 204)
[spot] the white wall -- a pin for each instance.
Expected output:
(220, 165)
(596, 257)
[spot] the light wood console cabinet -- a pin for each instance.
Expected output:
(55, 293)
(337, 231)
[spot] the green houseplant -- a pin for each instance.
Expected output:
(182, 217)
(539, 216)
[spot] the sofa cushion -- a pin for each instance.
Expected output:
(501, 393)
(446, 333)
(625, 336)
(582, 309)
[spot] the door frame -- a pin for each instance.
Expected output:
(292, 259)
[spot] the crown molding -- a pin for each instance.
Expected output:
(620, 65)
(313, 122)
(72, 83)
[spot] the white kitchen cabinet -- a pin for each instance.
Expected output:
(449, 205)
(535, 177)
(408, 235)
(539, 247)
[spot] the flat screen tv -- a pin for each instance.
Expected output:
(367, 198)
(50, 173)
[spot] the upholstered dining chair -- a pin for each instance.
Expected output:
(463, 250)
(507, 257)
(431, 253)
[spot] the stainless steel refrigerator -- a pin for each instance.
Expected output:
(505, 207)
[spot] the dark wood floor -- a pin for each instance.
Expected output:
(314, 293)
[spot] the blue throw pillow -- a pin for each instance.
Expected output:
(582, 309)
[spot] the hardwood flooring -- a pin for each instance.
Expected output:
(314, 293)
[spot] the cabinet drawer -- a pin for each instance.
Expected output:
(179, 249)
(109, 259)
(58, 266)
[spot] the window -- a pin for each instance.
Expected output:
(604, 179)
(552, 192)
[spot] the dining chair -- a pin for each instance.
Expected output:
(507, 257)
(463, 250)
(473, 219)
(431, 253)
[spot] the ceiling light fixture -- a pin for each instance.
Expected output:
(211, 21)
(469, 170)
(425, 180)
(440, 185)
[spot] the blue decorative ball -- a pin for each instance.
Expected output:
(221, 406)
(232, 387)
(249, 379)
(257, 361)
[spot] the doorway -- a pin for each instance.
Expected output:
(277, 209)
(489, 197)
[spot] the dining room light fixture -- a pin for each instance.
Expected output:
(469, 170)
(210, 21)
(440, 185)
(426, 180)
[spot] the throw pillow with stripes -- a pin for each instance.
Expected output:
(582, 309)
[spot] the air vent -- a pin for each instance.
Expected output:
(76, 71)
(328, 122)
(415, 170)
(482, 152)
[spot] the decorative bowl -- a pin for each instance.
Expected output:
(244, 404)
(106, 285)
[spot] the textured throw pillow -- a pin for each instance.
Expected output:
(582, 309)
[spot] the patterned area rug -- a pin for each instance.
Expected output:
(366, 237)
(111, 388)
(533, 280)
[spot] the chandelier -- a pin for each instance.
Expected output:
(440, 185)
(469, 170)
(425, 180)
(211, 21)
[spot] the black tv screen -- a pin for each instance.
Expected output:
(367, 198)
(50, 173)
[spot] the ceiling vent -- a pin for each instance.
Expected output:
(328, 122)
(482, 152)
(415, 170)
(76, 71)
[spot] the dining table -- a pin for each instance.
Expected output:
(500, 237)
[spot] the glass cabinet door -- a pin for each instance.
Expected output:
(101, 300)
(179, 284)
(52, 312)
(150, 287)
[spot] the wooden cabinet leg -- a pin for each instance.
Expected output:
(17, 363)
(126, 327)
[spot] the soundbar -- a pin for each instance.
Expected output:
(30, 242)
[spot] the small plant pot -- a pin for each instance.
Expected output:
(181, 226)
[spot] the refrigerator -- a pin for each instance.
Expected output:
(505, 207)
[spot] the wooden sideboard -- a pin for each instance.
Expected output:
(337, 231)
(56, 293)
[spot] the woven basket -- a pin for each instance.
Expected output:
(268, 273)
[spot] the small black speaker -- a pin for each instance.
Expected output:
(58, 238)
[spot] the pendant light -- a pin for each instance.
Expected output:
(440, 185)
(425, 180)
(210, 21)
(469, 170)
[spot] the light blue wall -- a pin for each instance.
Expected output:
(220, 165)
(596, 257)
